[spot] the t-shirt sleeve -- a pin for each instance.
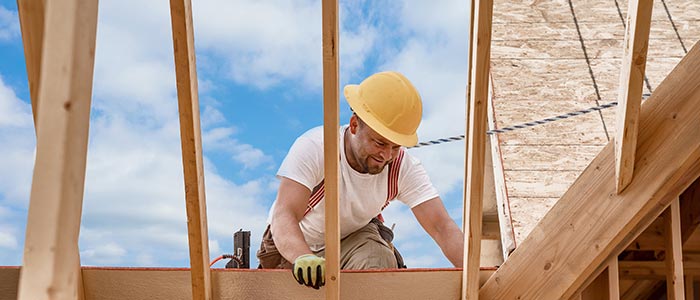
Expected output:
(415, 186)
(304, 161)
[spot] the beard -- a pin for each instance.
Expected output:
(373, 167)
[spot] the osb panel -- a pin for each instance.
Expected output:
(534, 31)
(607, 75)
(585, 129)
(536, 49)
(544, 80)
(687, 10)
(660, 29)
(606, 11)
(613, 48)
(531, 11)
(527, 212)
(548, 157)
(539, 184)
(524, 111)
(689, 31)
(658, 68)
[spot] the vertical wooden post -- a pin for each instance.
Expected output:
(31, 21)
(689, 287)
(613, 279)
(674, 252)
(331, 152)
(630, 92)
(51, 266)
(191, 140)
(477, 120)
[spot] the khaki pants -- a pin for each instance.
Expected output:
(363, 249)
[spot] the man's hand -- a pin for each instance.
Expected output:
(310, 270)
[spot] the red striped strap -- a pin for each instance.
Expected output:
(393, 187)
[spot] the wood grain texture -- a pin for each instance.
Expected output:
(331, 150)
(476, 142)
(630, 90)
(191, 141)
(590, 222)
(51, 257)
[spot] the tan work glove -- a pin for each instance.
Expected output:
(310, 270)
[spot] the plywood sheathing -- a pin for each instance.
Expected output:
(539, 70)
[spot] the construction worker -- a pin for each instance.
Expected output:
(374, 169)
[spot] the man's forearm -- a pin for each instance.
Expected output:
(452, 245)
(288, 237)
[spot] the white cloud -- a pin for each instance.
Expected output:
(109, 253)
(9, 24)
(7, 238)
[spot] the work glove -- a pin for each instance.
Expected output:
(310, 270)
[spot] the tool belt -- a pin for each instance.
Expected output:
(270, 257)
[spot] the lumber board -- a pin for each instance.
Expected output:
(674, 252)
(51, 258)
(505, 222)
(630, 91)
(331, 123)
(591, 222)
(191, 141)
(476, 142)
(174, 284)
(31, 21)
(689, 288)
(613, 279)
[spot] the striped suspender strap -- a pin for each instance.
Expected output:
(316, 196)
(393, 186)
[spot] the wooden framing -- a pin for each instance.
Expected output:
(331, 123)
(613, 279)
(191, 139)
(674, 252)
(590, 223)
(689, 287)
(477, 120)
(31, 20)
(64, 90)
(631, 85)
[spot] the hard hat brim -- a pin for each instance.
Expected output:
(352, 95)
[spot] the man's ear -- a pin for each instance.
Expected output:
(354, 123)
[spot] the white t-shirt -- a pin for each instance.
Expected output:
(362, 196)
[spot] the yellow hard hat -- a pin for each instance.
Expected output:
(389, 104)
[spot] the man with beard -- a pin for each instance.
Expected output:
(374, 170)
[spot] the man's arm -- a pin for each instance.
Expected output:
(437, 223)
(292, 199)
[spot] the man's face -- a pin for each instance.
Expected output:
(371, 151)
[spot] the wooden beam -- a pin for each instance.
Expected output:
(31, 21)
(689, 287)
(53, 223)
(477, 120)
(653, 238)
(613, 279)
(653, 270)
(590, 222)
(331, 123)
(630, 92)
(191, 140)
(674, 252)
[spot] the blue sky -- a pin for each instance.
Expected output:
(260, 84)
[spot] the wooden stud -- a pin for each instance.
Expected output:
(674, 252)
(477, 107)
(598, 288)
(689, 287)
(613, 279)
(331, 123)
(31, 21)
(630, 92)
(51, 260)
(191, 140)
(590, 222)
